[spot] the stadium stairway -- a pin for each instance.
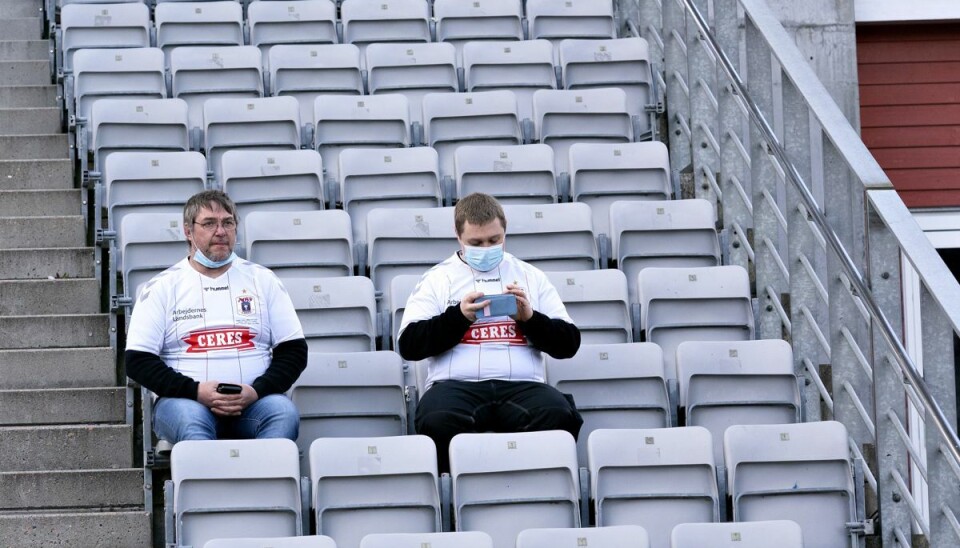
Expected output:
(66, 449)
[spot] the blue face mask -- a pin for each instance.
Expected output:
(202, 259)
(483, 259)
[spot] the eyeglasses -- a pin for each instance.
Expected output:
(211, 226)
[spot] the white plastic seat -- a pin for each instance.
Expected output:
(268, 123)
(130, 73)
(653, 478)
(604, 173)
(151, 243)
(560, 19)
(597, 302)
(614, 386)
(552, 236)
(198, 24)
(514, 174)
(132, 125)
(521, 67)
(413, 70)
(366, 22)
(459, 22)
(690, 304)
(235, 488)
(755, 534)
(505, 483)
(387, 178)
(737, 382)
(199, 73)
(350, 395)
(618, 536)
(291, 22)
(374, 485)
(462, 539)
(401, 287)
(799, 472)
(338, 314)
(297, 244)
(307, 71)
(312, 541)
(668, 233)
(111, 26)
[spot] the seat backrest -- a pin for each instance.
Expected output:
(552, 236)
(306, 71)
(459, 22)
(505, 483)
(314, 244)
(801, 472)
(253, 486)
(201, 72)
(338, 314)
(614, 386)
(522, 67)
(374, 485)
(365, 22)
(312, 541)
(291, 22)
(617, 62)
(653, 478)
(453, 120)
(152, 243)
(750, 534)
(560, 19)
(412, 70)
(603, 173)
(128, 73)
(618, 536)
(460, 539)
(133, 125)
(89, 26)
(737, 382)
(597, 302)
(401, 287)
(198, 24)
(514, 174)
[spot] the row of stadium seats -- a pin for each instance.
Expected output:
(503, 484)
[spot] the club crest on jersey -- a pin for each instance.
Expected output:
(507, 332)
(246, 305)
(225, 338)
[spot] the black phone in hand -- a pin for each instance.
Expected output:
(228, 388)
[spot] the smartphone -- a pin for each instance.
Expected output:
(498, 305)
(227, 388)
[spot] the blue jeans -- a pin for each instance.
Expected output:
(178, 419)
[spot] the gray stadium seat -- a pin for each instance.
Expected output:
(462, 539)
(597, 302)
(199, 73)
(401, 287)
(459, 22)
(307, 71)
(338, 314)
(413, 70)
(552, 236)
(312, 541)
(151, 243)
(198, 24)
(291, 22)
(514, 174)
(111, 26)
(132, 125)
(619, 536)
(755, 534)
(130, 73)
(366, 22)
(295, 244)
(521, 67)
(560, 19)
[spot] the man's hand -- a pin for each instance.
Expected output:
(524, 310)
(469, 305)
(225, 405)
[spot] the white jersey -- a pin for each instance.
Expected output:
(492, 348)
(220, 329)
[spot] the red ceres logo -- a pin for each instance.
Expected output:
(226, 338)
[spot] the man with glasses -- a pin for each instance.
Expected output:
(216, 337)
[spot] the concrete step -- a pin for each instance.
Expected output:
(62, 406)
(41, 203)
(23, 73)
(41, 264)
(34, 147)
(129, 529)
(29, 121)
(20, 28)
(35, 174)
(71, 489)
(28, 96)
(64, 331)
(57, 368)
(27, 232)
(39, 297)
(20, 9)
(23, 50)
(85, 447)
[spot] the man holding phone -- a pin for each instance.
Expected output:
(481, 319)
(216, 337)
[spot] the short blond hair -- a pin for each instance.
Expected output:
(477, 209)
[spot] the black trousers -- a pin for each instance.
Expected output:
(456, 407)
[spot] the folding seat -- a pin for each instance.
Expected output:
(755, 534)
(694, 304)
(462, 539)
(620, 536)
(350, 395)
(799, 472)
(365, 22)
(379, 178)
(300, 244)
(560, 19)
(235, 488)
(268, 123)
(453, 120)
(669, 233)
(521, 67)
(413, 70)
(505, 483)
(459, 22)
(198, 24)
(407, 241)
(619, 385)
(565, 117)
(603, 173)
(552, 236)
(337, 314)
(273, 180)
(653, 478)
(132, 125)
(359, 122)
(401, 287)
(597, 302)
(514, 174)
(291, 22)
(200, 73)
(110, 26)
(312, 541)
(151, 243)
(737, 382)
(130, 73)
(374, 485)
(306, 71)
